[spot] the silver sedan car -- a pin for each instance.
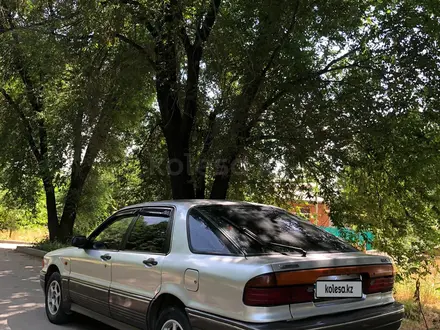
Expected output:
(208, 265)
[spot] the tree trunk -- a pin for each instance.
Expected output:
(51, 206)
(222, 178)
(80, 172)
(177, 131)
(203, 161)
(201, 179)
(70, 207)
(179, 168)
(177, 124)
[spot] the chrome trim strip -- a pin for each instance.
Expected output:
(88, 284)
(129, 295)
(89, 299)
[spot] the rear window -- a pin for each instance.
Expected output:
(270, 225)
(204, 238)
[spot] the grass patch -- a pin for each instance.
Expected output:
(429, 290)
(414, 320)
(48, 246)
(429, 296)
(25, 234)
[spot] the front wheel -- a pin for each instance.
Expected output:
(173, 318)
(54, 300)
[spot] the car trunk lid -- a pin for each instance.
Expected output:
(295, 279)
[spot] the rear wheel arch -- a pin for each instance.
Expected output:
(158, 304)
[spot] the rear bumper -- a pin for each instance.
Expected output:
(388, 317)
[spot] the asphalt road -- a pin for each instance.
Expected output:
(22, 299)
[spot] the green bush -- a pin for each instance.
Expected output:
(48, 246)
(412, 310)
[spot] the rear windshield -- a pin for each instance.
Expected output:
(270, 225)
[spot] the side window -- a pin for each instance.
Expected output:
(204, 240)
(112, 236)
(149, 234)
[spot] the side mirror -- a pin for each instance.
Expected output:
(79, 241)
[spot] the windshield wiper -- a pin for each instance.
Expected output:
(294, 248)
(253, 236)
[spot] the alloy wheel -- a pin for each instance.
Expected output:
(172, 325)
(54, 297)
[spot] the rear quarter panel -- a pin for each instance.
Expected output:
(221, 279)
(221, 285)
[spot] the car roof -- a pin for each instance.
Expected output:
(188, 203)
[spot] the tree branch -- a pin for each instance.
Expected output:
(99, 135)
(15, 28)
(203, 160)
(252, 91)
(328, 67)
(33, 98)
(177, 12)
(26, 125)
(77, 143)
(131, 42)
(150, 135)
(141, 16)
(283, 40)
(205, 29)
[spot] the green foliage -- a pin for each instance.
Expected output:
(98, 96)
(392, 189)
(96, 202)
(13, 217)
(70, 92)
(148, 237)
(412, 310)
(48, 246)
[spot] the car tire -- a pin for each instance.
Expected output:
(172, 315)
(55, 308)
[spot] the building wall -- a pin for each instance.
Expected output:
(317, 215)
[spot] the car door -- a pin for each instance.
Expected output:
(90, 269)
(137, 270)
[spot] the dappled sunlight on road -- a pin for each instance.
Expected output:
(22, 299)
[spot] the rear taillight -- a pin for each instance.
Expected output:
(293, 287)
(379, 284)
(264, 291)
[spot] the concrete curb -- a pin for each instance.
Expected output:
(31, 251)
(6, 241)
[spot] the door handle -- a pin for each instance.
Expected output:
(106, 257)
(150, 262)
